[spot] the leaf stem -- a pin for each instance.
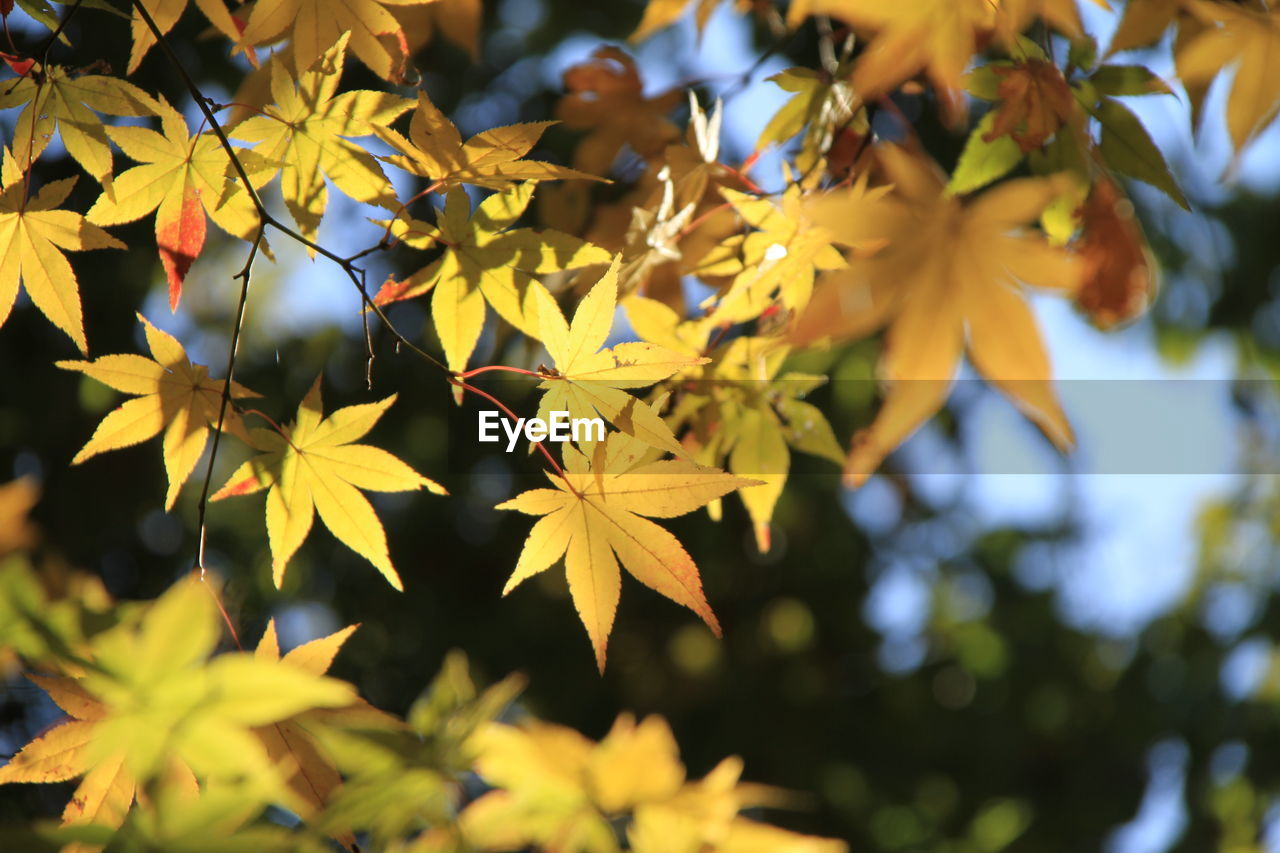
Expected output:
(498, 367)
(226, 617)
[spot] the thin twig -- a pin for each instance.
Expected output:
(244, 276)
(53, 36)
(353, 272)
(41, 77)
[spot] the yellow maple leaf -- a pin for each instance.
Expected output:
(66, 105)
(105, 794)
(106, 791)
(660, 14)
(459, 21)
(598, 515)
(181, 177)
(165, 14)
(174, 395)
(435, 151)
(555, 788)
(780, 258)
(1247, 40)
(305, 131)
(587, 381)
(936, 37)
(739, 414)
(705, 815)
(552, 783)
(756, 418)
(314, 25)
(1143, 22)
(312, 466)
(292, 743)
(33, 235)
(155, 704)
(164, 697)
(486, 260)
(952, 271)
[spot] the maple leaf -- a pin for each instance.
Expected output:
(664, 236)
(66, 105)
(1035, 101)
(1143, 22)
(739, 413)
(936, 37)
(783, 255)
(1127, 148)
(660, 14)
(33, 235)
(314, 25)
(822, 106)
(182, 178)
(1120, 276)
(747, 419)
(705, 815)
(553, 784)
(305, 132)
(606, 96)
(598, 515)
(949, 269)
(485, 260)
(293, 743)
(154, 704)
(174, 395)
(457, 20)
(1247, 40)
(106, 793)
(312, 466)
(587, 380)
(435, 151)
(165, 14)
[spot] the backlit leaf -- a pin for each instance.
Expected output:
(435, 151)
(587, 381)
(174, 395)
(313, 466)
(597, 516)
(33, 236)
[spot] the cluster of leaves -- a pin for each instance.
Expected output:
(178, 745)
(867, 234)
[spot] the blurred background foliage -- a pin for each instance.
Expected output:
(923, 675)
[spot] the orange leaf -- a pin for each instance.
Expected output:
(1119, 278)
(1035, 102)
(180, 230)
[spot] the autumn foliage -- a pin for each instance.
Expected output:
(175, 739)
